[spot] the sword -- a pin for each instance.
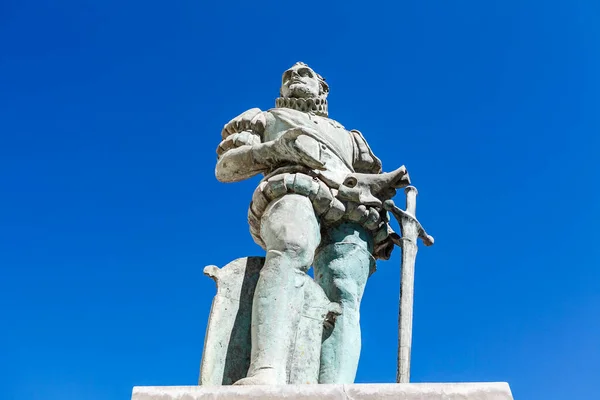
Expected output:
(411, 229)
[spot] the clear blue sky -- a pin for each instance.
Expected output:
(110, 113)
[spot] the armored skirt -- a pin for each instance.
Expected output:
(330, 210)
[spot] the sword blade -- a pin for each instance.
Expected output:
(410, 233)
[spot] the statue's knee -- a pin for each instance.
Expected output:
(287, 259)
(349, 292)
(342, 271)
(290, 227)
(293, 244)
(343, 262)
(302, 255)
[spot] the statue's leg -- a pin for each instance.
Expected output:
(290, 230)
(342, 266)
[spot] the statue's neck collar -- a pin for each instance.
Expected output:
(317, 106)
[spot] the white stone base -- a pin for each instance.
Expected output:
(383, 391)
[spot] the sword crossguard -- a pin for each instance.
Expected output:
(402, 215)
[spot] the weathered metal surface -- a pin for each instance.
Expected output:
(227, 345)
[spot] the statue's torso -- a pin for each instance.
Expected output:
(338, 152)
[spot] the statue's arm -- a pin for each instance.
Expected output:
(364, 159)
(242, 152)
(250, 157)
(235, 161)
(237, 164)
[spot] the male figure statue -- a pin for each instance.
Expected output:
(303, 215)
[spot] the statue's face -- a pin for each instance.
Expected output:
(300, 82)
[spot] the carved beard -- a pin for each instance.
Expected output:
(317, 105)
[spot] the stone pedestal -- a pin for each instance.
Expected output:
(384, 391)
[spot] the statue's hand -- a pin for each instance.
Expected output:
(237, 140)
(251, 120)
(298, 145)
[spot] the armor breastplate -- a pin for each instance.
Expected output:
(338, 150)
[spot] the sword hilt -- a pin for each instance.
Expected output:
(401, 215)
(411, 200)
